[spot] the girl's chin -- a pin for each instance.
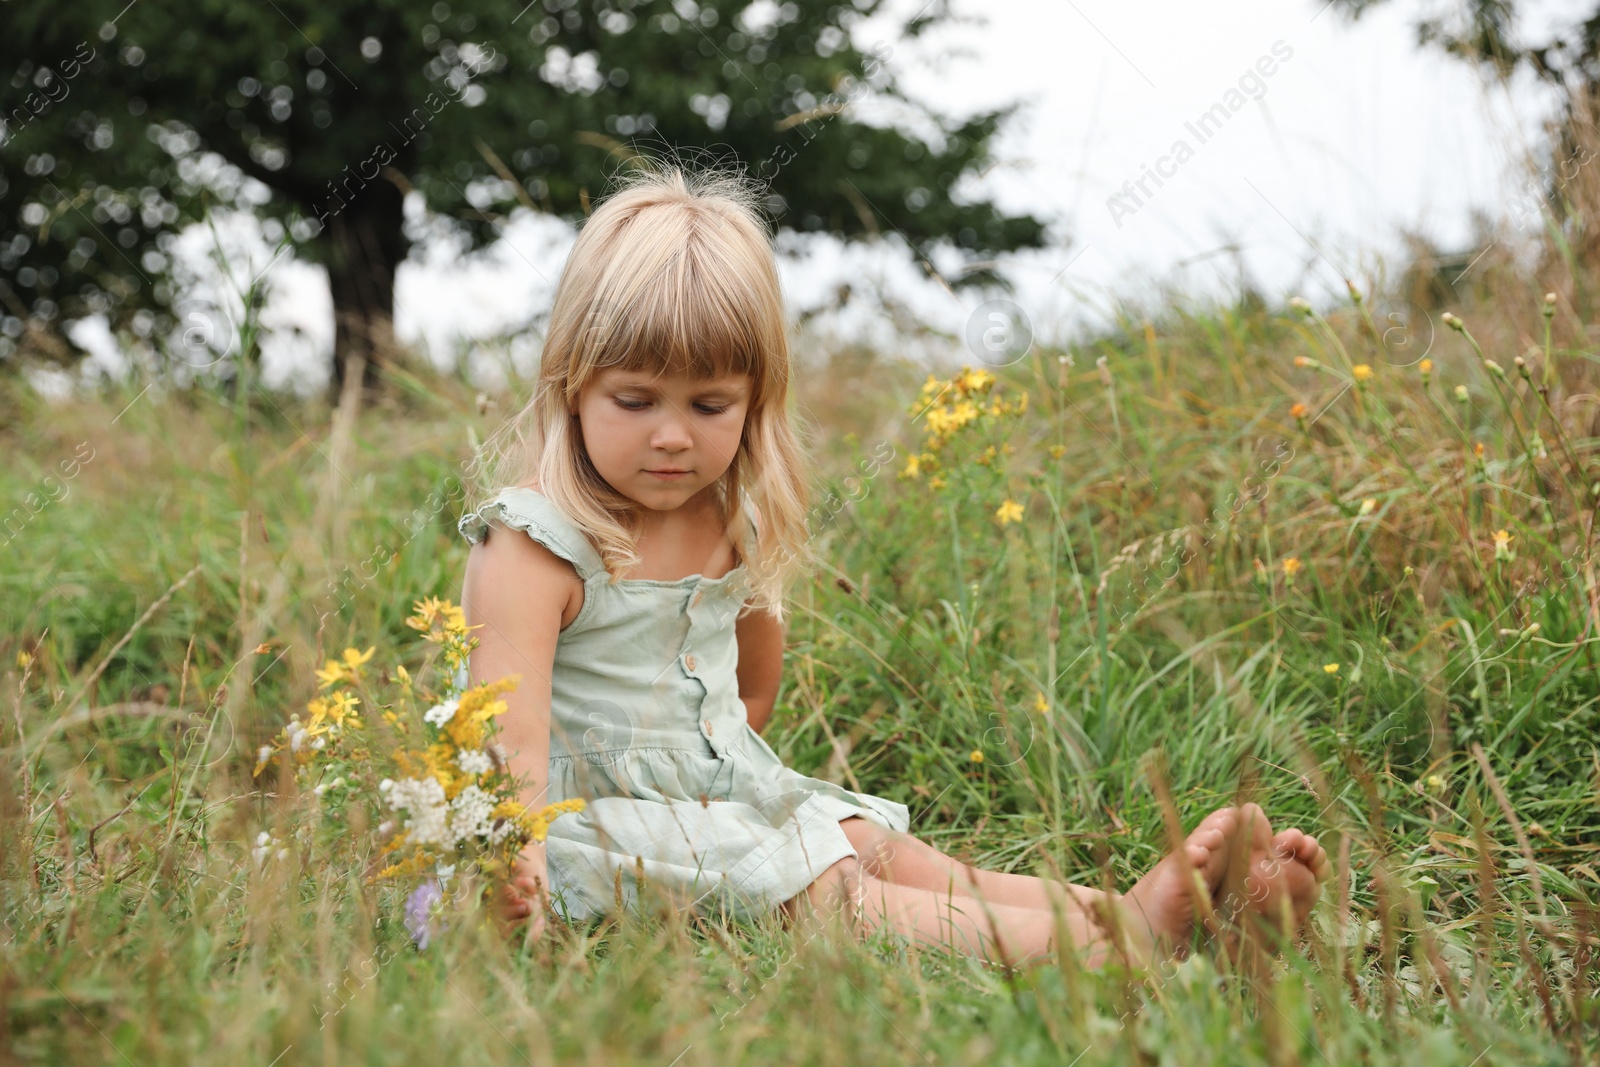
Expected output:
(663, 495)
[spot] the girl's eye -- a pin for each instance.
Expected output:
(628, 403)
(710, 409)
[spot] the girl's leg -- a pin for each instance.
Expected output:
(1002, 933)
(1159, 914)
(902, 859)
(1162, 909)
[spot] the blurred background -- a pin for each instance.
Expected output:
(923, 156)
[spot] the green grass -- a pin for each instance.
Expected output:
(1142, 600)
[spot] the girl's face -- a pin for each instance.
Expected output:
(659, 440)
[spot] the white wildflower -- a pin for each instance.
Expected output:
(266, 844)
(440, 714)
(470, 814)
(428, 816)
(474, 761)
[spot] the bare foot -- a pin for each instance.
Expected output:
(1282, 878)
(1162, 908)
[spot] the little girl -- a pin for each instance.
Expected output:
(650, 514)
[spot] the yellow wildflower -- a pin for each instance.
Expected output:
(1361, 371)
(348, 669)
(467, 728)
(973, 380)
(976, 756)
(1057, 451)
(1502, 546)
(333, 673)
(539, 824)
(334, 708)
(1298, 411)
(913, 467)
(431, 610)
(1331, 668)
(939, 420)
(1291, 567)
(987, 457)
(1426, 367)
(354, 659)
(509, 809)
(1010, 511)
(1368, 506)
(936, 482)
(1039, 703)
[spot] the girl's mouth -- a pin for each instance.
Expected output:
(669, 475)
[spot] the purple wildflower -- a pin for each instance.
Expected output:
(419, 911)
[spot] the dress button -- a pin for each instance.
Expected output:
(688, 661)
(707, 725)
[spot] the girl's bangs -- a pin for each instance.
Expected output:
(683, 324)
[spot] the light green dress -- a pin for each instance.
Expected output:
(647, 726)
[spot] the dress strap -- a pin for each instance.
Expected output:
(536, 515)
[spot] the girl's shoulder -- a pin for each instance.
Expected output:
(524, 508)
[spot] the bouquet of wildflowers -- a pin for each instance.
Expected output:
(434, 781)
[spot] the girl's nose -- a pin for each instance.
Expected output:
(672, 434)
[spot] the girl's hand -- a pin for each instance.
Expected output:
(524, 897)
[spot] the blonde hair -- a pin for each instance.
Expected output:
(673, 273)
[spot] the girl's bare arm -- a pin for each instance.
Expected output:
(516, 594)
(760, 638)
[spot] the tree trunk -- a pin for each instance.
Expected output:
(368, 244)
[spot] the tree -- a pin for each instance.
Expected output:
(327, 112)
(1484, 31)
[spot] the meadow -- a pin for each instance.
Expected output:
(1338, 561)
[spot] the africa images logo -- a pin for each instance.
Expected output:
(1252, 85)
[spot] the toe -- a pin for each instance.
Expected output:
(1320, 865)
(1254, 820)
(1308, 849)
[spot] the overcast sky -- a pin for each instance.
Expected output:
(1343, 134)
